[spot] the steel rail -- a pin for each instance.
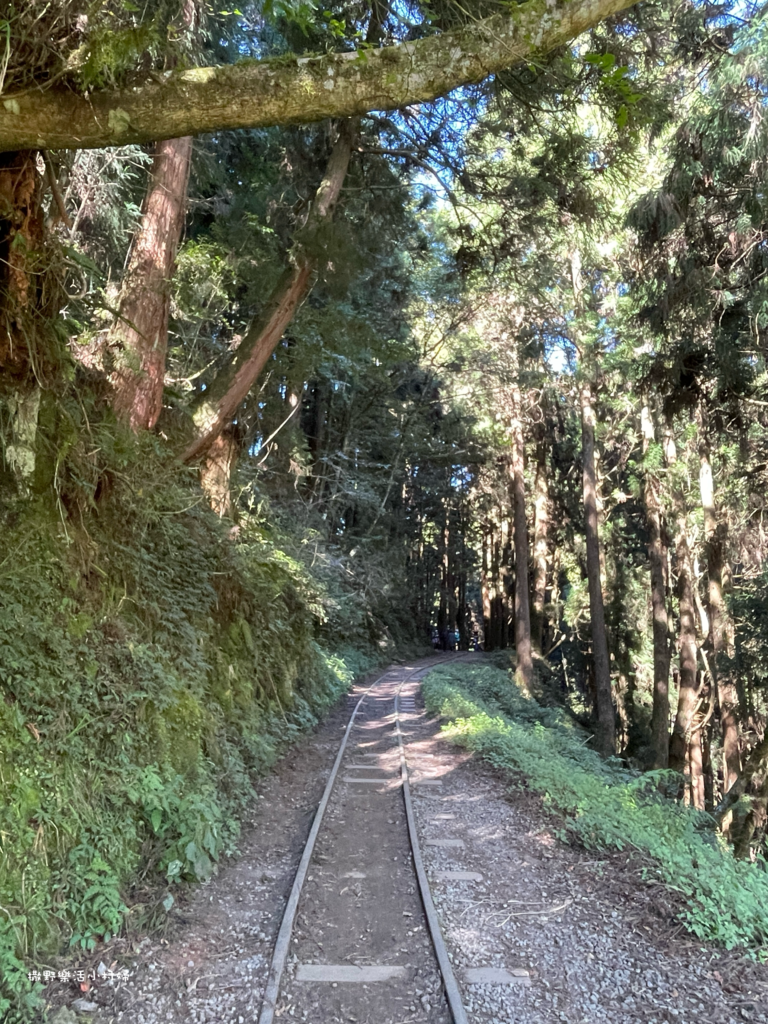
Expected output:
(452, 992)
(283, 941)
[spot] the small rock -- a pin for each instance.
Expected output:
(84, 1006)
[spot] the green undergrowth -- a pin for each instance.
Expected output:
(603, 805)
(153, 661)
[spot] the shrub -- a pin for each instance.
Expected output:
(604, 805)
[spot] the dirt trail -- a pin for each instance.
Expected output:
(598, 945)
(582, 940)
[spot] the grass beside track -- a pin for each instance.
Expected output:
(604, 805)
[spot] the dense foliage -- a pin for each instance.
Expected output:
(152, 665)
(604, 806)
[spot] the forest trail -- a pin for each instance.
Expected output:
(578, 938)
(461, 341)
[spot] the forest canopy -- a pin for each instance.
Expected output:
(335, 333)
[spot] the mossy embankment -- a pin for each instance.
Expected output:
(153, 660)
(602, 804)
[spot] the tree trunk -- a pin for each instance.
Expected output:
(657, 556)
(605, 733)
(320, 416)
(21, 239)
(218, 405)
(21, 439)
(688, 694)
(696, 768)
(252, 94)
(524, 671)
(485, 589)
(32, 352)
(463, 615)
(714, 542)
(444, 611)
(496, 598)
(706, 741)
(216, 472)
(140, 330)
(504, 576)
(540, 547)
(497, 621)
(754, 823)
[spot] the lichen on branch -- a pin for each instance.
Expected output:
(261, 93)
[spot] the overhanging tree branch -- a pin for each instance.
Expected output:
(297, 91)
(218, 405)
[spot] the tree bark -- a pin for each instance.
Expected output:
(504, 575)
(321, 398)
(540, 547)
(754, 822)
(218, 405)
(714, 544)
(485, 589)
(216, 472)
(21, 238)
(657, 556)
(524, 671)
(688, 694)
(21, 444)
(140, 330)
(444, 612)
(696, 768)
(280, 91)
(605, 733)
(497, 558)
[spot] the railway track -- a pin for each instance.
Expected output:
(360, 939)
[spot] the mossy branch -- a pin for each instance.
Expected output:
(261, 93)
